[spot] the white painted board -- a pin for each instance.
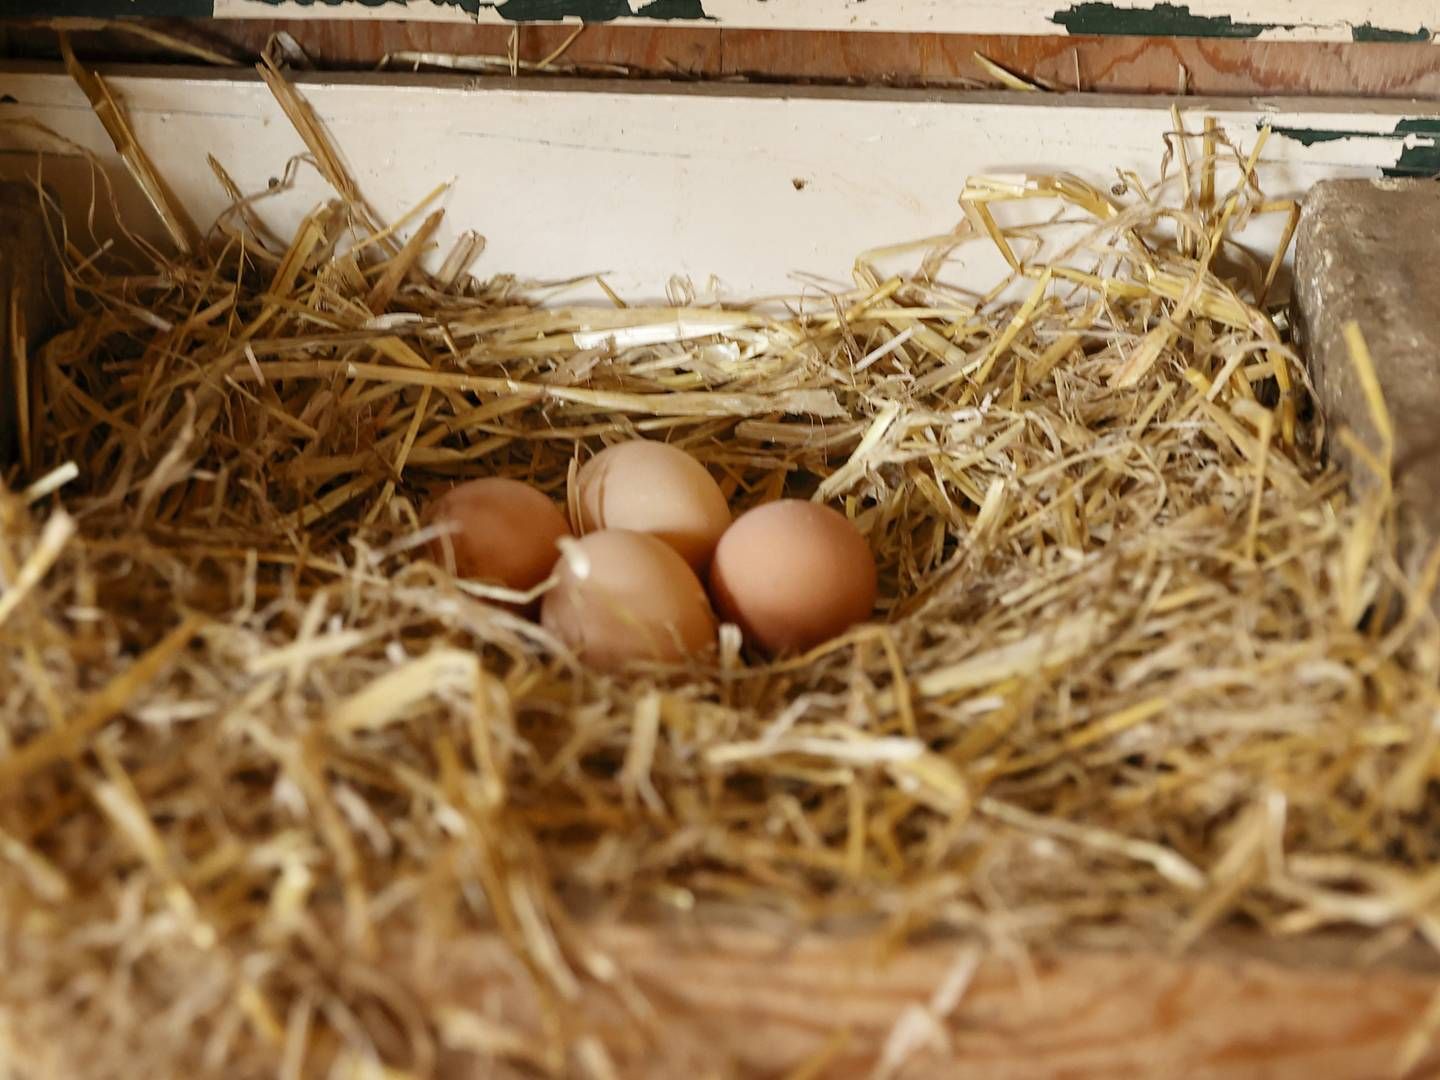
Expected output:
(743, 190)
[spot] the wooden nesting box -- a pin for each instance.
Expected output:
(736, 188)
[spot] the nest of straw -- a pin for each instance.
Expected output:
(1140, 667)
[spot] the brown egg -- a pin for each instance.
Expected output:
(792, 575)
(654, 488)
(624, 597)
(505, 532)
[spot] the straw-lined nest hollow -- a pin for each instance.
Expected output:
(1139, 666)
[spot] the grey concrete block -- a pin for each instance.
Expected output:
(30, 289)
(1366, 253)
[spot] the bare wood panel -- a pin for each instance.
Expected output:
(742, 1003)
(1110, 64)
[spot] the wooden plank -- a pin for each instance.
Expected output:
(1202, 66)
(743, 1003)
(740, 189)
(1308, 20)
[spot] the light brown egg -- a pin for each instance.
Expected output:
(505, 532)
(655, 488)
(624, 597)
(792, 575)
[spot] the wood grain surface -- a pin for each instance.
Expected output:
(744, 1003)
(1102, 64)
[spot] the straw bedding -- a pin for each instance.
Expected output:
(1140, 666)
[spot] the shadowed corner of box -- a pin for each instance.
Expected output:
(31, 300)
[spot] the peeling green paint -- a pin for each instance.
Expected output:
(1419, 158)
(673, 9)
(1308, 137)
(597, 11)
(1177, 20)
(1162, 20)
(1369, 32)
